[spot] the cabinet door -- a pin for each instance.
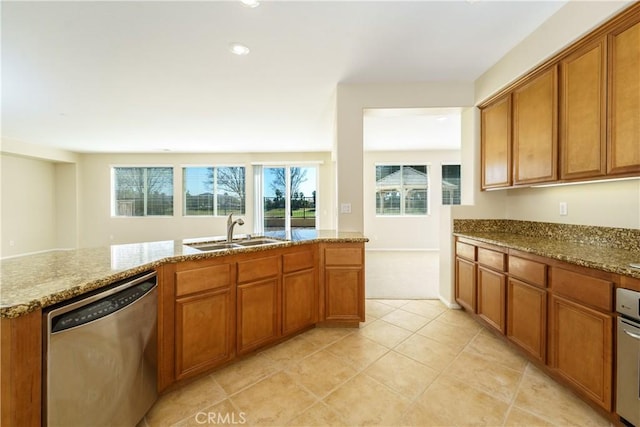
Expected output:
(496, 144)
(491, 297)
(583, 113)
(527, 317)
(344, 296)
(466, 284)
(299, 307)
(581, 347)
(535, 145)
(624, 101)
(204, 331)
(258, 314)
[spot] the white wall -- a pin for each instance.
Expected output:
(28, 205)
(351, 101)
(409, 232)
(611, 204)
(98, 227)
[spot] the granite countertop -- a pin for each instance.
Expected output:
(40, 280)
(613, 260)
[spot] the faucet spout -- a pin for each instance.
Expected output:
(230, 224)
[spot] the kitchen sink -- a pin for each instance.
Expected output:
(258, 241)
(236, 244)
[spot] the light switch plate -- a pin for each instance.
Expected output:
(345, 208)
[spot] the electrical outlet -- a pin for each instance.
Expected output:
(563, 208)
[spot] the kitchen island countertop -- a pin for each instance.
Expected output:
(36, 281)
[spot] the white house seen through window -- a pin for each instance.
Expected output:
(402, 189)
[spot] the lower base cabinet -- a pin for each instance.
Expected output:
(204, 321)
(527, 318)
(581, 348)
(491, 297)
(204, 331)
(343, 282)
(299, 306)
(258, 314)
(466, 284)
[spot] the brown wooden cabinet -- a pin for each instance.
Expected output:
(581, 347)
(343, 279)
(575, 117)
(624, 99)
(465, 276)
(204, 318)
(559, 314)
(496, 144)
(527, 306)
(583, 142)
(299, 290)
(581, 331)
(535, 112)
(491, 284)
(258, 302)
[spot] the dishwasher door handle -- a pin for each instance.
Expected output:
(631, 334)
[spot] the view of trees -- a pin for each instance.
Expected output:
(143, 191)
(219, 190)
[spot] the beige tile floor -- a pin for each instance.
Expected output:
(412, 363)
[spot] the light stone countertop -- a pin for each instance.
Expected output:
(613, 260)
(36, 281)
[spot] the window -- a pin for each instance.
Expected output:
(286, 198)
(450, 184)
(402, 189)
(142, 191)
(213, 191)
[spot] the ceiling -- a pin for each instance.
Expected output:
(147, 76)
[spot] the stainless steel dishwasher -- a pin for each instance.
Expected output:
(628, 356)
(100, 356)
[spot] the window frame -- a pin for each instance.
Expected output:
(442, 179)
(213, 189)
(113, 196)
(402, 213)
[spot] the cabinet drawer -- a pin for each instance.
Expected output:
(343, 256)
(491, 259)
(297, 261)
(532, 272)
(256, 269)
(464, 250)
(202, 279)
(595, 292)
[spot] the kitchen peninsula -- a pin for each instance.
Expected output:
(322, 272)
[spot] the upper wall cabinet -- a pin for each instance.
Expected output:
(535, 141)
(496, 143)
(583, 112)
(624, 100)
(574, 118)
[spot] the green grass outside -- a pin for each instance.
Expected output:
(299, 213)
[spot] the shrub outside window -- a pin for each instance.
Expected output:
(213, 191)
(142, 191)
(402, 189)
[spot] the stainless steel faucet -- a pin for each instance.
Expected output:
(231, 224)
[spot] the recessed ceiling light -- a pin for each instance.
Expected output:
(238, 49)
(250, 3)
